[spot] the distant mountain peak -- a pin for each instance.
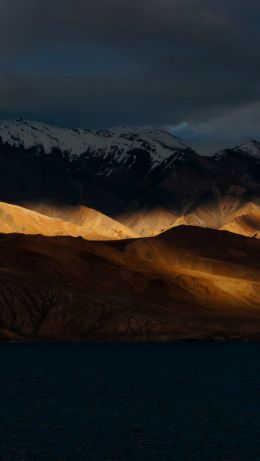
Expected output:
(250, 147)
(77, 141)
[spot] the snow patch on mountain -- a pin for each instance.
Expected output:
(108, 143)
(249, 148)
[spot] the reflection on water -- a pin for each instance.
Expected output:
(130, 402)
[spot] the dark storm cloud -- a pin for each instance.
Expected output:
(107, 62)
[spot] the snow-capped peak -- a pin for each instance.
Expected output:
(77, 141)
(251, 147)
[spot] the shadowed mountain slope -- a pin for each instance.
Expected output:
(146, 179)
(188, 283)
(104, 169)
(211, 194)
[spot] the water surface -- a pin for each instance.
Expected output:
(130, 402)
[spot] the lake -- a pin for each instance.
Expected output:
(130, 402)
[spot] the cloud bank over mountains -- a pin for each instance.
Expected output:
(186, 63)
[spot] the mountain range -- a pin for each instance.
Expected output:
(146, 179)
(126, 234)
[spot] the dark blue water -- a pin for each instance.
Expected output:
(130, 402)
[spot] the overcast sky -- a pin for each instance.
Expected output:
(191, 66)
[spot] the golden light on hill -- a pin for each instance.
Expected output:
(168, 287)
(70, 221)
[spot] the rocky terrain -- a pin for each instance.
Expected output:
(126, 234)
(146, 179)
(188, 283)
(210, 192)
(103, 169)
(78, 221)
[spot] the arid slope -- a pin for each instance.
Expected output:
(188, 283)
(247, 222)
(93, 221)
(229, 212)
(78, 221)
